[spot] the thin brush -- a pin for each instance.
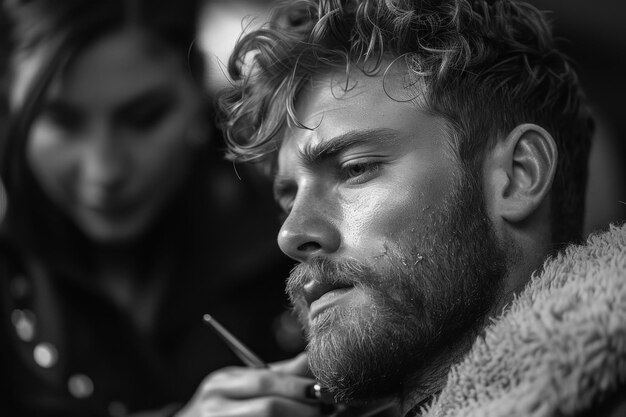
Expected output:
(238, 348)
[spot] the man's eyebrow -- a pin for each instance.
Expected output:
(313, 154)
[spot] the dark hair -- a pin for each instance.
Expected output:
(484, 66)
(56, 32)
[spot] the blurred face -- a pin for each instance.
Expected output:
(110, 145)
(397, 258)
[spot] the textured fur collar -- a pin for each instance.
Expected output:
(561, 346)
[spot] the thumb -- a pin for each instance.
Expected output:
(295, 366)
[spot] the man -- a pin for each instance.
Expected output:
(429, 156)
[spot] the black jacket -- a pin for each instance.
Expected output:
(68, 350)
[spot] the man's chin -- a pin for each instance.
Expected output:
(353, 352)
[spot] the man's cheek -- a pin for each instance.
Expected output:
(383, 236)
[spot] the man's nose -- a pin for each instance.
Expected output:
(309, 230)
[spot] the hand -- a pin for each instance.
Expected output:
(278, 391)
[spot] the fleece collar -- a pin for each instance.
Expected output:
(559, 348)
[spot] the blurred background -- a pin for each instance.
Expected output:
(228, 218)
(593, 34)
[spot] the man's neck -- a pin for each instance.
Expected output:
(421, 387)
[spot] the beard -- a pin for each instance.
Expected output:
(427, 293)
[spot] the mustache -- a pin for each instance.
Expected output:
(341, 273)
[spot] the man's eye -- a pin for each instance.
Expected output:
(360, 172)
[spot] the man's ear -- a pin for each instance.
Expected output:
(520, 170)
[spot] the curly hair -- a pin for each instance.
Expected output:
(483, 66)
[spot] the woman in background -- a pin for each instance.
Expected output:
(122, 226)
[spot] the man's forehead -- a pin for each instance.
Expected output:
(334, 100)
(332, 96)
(359, 115)
(331, 90)
(326, 94)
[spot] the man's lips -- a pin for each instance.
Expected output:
(314, 289)
(320, 295)
(329, 299)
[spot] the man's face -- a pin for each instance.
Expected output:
(396, 255)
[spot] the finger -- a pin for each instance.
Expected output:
(243, 383)
(296, 366)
